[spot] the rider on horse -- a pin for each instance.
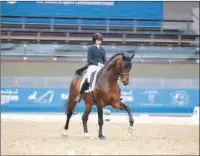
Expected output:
(96, 58)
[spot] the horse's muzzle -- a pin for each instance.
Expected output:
(125, 83)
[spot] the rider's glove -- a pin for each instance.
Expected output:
(100, 65)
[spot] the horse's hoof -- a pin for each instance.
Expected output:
(64, 133)
(87, 135)
(102, 137)
(130, 129)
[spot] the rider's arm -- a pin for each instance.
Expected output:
(90, 57)
(104, 57)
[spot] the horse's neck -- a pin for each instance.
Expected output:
(110, 74)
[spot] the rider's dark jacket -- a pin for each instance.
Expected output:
(96, 55)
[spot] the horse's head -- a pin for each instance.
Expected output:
(120, 65)
(125, 66)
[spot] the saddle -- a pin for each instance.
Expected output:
(81, 71)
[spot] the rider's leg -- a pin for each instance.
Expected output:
(84, 87)
(86, 81)
(94, 81)
(97, 69)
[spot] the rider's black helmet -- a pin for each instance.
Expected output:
(97, 36)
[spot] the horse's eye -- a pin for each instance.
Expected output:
(127, 65)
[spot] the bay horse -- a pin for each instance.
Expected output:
(106, 91)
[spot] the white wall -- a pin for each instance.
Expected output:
(195, 18)
(178, 11)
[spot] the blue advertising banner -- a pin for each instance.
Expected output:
(165, 100)
(33, 99)
(19, 99)
(105, 9)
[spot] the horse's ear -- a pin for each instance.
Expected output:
(133, 54)
(123, 56)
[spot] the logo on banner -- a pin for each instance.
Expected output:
(9, 95)
(76, 3)
(127, 95)
(64, 96)
(43, 99)
(180, 98)
(151, 97)
(11, 1)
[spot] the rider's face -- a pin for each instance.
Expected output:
(98, 42)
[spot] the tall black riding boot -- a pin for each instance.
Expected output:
(84, 87)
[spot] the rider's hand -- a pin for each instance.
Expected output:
(100, 65)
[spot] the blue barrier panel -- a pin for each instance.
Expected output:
(150, 10)
(33, 99)
(165, 100)
(19, 99)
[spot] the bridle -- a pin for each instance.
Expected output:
(119, 66)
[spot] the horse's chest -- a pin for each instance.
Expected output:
(114, 94)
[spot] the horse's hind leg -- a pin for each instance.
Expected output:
(69, 111)
(85, 118)
(69, 114)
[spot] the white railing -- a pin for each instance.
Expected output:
(79, 23)
(63, 82)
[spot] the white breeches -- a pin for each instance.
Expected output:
(90, 70)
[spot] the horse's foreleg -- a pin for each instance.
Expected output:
(100, 121)
(128, 110)
(85, 119)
